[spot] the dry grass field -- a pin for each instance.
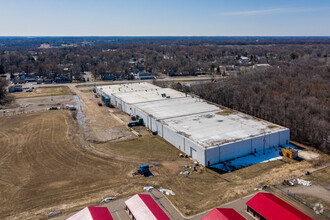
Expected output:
(43, 165)
(44, 91)
(46, 164)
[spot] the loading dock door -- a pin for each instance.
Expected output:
(193, 153)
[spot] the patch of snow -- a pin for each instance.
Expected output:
(148, 188)
(308, 155)
(167, 191)
(304, 182)
(108, 199)
(54, 212)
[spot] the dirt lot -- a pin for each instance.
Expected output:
(25, 105)
(44, 91)
(319, 192)
(46, 164)
(101, 124)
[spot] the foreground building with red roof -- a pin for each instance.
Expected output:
(144, 207)
(92, 213)
(223, 214)
(267, 206)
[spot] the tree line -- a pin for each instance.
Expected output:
(121, 56)
(295, 96)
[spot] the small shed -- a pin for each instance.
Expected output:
(223, 214)
(144, 207)
(267, 206)
(290, 152)
(92, 213)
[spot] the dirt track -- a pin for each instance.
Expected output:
(102, 124)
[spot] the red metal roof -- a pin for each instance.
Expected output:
(274, 208)
(153, 207)
(100, 213)
(223, 214)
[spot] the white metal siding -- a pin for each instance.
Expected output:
(173, 137)
(193, 153)
(245, 147)
(285, 137)
(188, 144)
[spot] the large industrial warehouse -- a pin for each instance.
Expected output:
(207, 132)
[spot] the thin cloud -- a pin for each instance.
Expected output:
(273, 11)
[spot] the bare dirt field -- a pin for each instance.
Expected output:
(43, 164)
(101, 123)
(25, 105)
(46, 164)
(44, 91)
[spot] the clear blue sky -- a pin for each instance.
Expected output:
(164, 17)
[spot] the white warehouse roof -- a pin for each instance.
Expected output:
(219, 128)
(207, 132)
(149, 95)
(171, 108)
(127, 87)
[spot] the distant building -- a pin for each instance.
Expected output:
(62, 79)
(268, 206)
(243, 59)
(223, 214)
(197, 73)
(31, 78)
(222, 70)
(109, 77)
(144, 76)
(265, 65)
(48, 81)
(15, 88)
(45, 46)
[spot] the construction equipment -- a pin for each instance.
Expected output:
(106, 100)
(138, 122)
(290, 152)
(144, 170)
(133, 118)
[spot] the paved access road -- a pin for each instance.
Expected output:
(168, 79)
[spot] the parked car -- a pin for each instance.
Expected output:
(54, 108)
